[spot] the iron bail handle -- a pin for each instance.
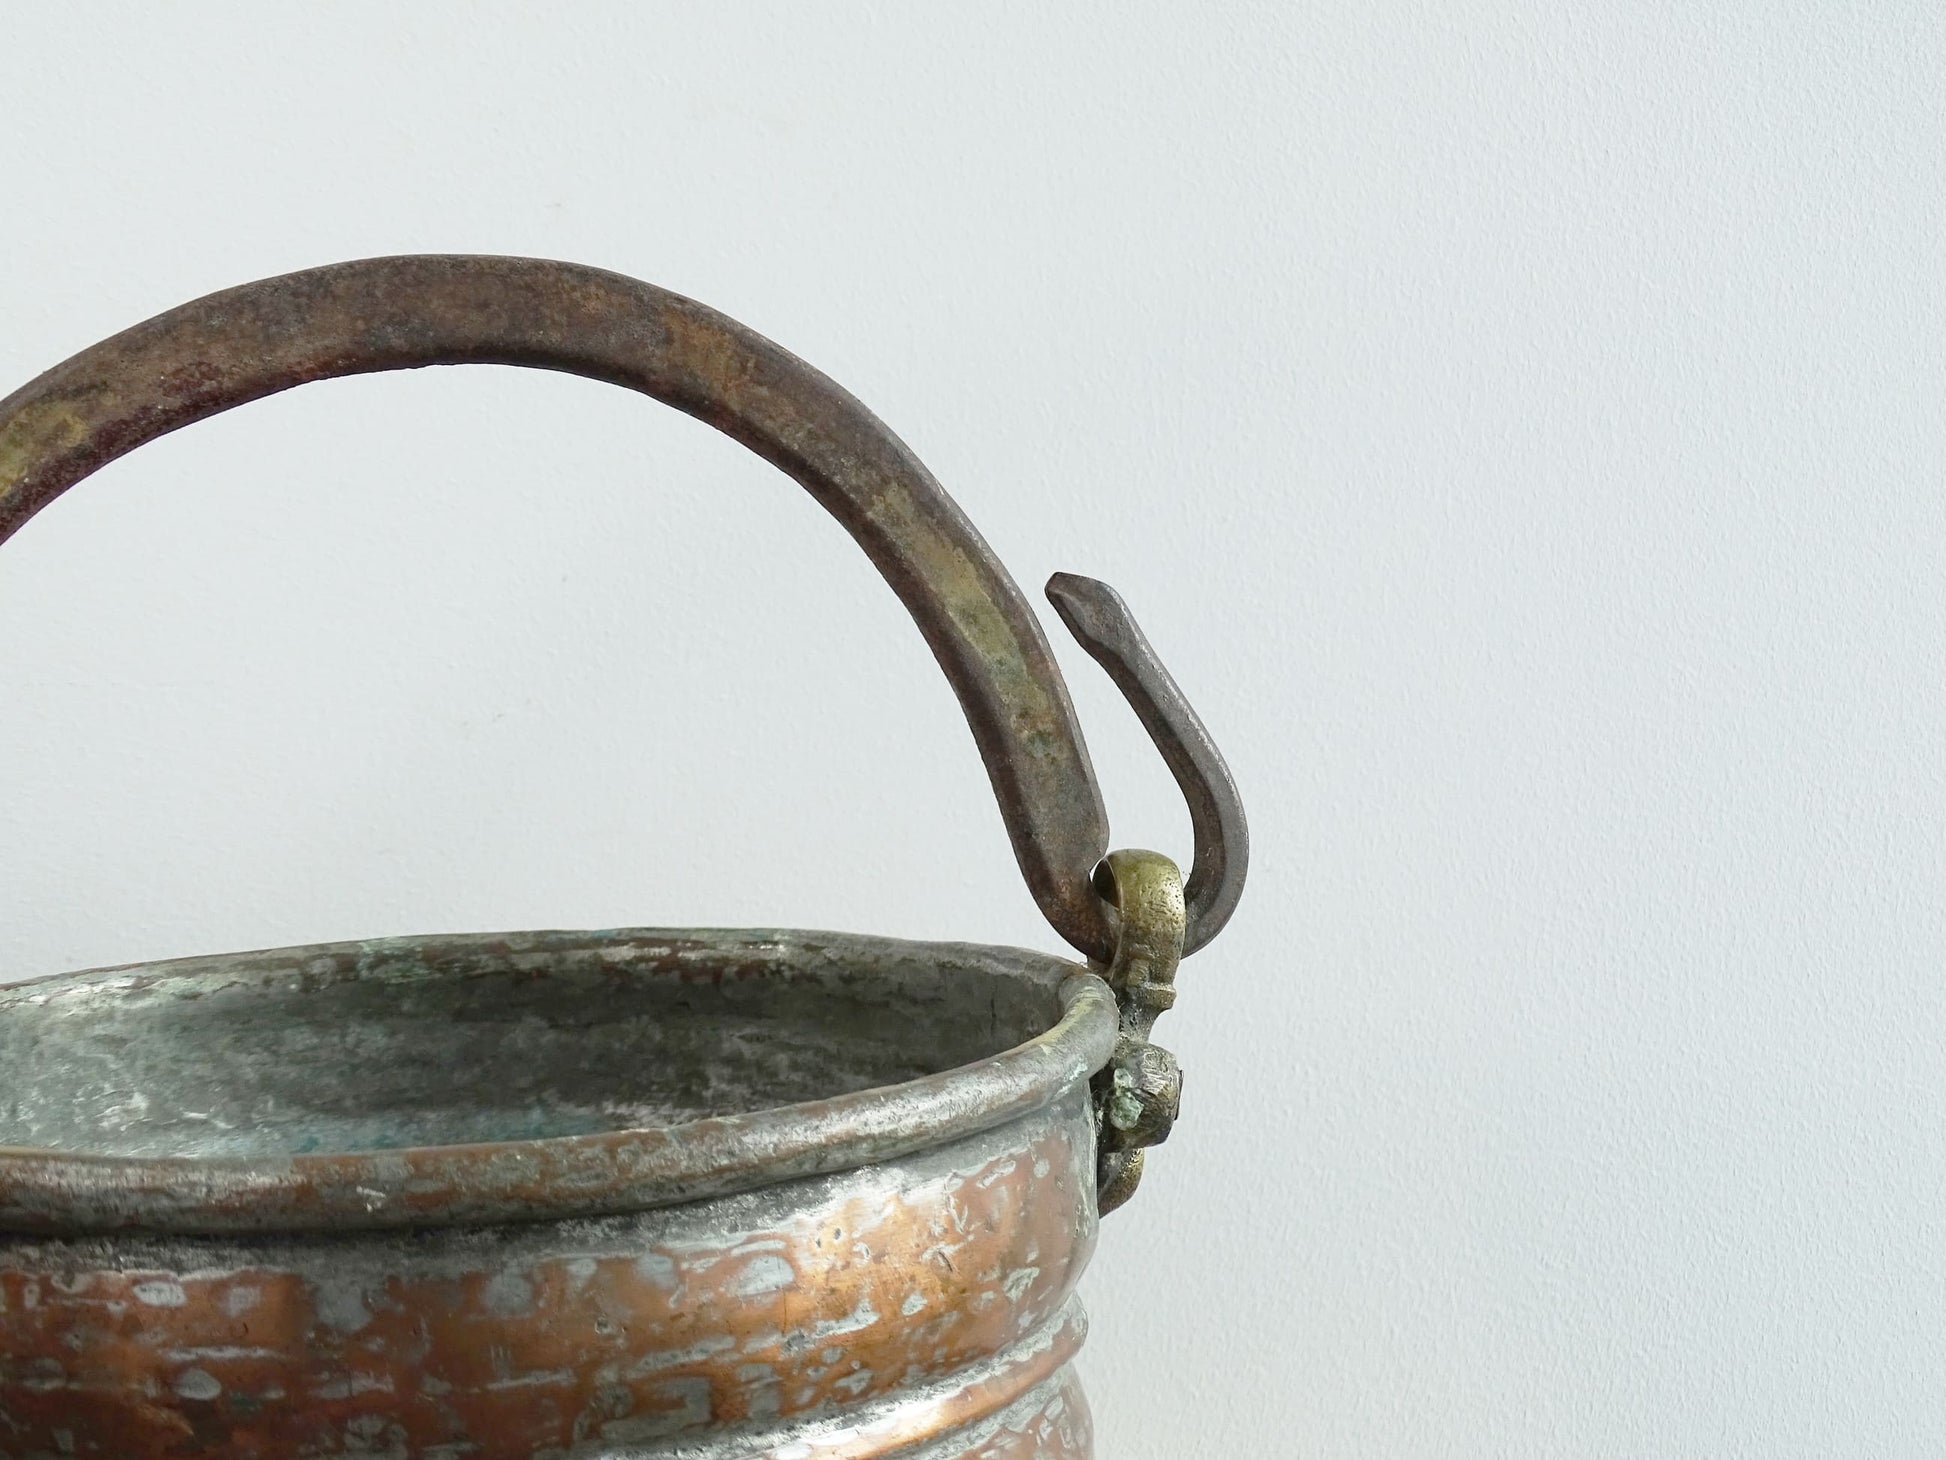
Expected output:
(403, 313)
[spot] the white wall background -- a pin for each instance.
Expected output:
(1519, 425)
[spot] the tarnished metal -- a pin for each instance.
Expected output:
(1102, 624)
(504, 1078)
(588, 1196)
(260, 1312)
(1139, 1092)
(401, 313)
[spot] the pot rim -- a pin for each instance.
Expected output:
(52, 1192)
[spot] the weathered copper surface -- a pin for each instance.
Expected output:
(587, 1196)
(624, 1332)
(739, 1314)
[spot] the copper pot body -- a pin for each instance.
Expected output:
(919, 1303)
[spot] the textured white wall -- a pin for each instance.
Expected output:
(1520, 427)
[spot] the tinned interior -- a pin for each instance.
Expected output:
(379, 1046)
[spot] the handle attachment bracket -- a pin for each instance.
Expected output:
(1139, 1092)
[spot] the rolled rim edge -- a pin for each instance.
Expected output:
(57, 1193)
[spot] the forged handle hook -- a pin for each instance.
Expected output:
(1100, 621)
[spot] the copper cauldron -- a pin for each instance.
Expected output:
(621, 1193)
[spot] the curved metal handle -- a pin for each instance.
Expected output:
(1102, 624)
(402, 313)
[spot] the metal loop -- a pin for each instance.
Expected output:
(1139, 1092)
(402, 313)
(1101, 622)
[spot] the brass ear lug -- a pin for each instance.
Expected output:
(1139, 1092)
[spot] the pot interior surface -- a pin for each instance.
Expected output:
(450, 1041)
